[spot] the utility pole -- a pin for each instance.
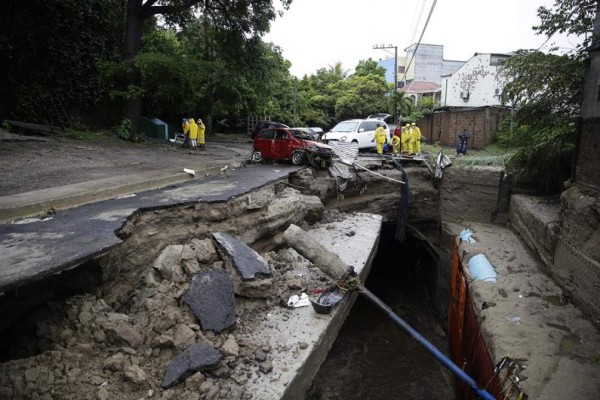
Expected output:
(389, 46)
(397, 118)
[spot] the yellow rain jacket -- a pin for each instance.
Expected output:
(380, 138)
(193, 129)
(201, 129)
(416, 139)
(395, 144)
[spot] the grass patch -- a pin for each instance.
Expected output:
(491, 155)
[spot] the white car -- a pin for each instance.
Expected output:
(361, 131)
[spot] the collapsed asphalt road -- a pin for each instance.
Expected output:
(32, 250)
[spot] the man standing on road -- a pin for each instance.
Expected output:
(185, 128)
(380, 138)
(463, 139)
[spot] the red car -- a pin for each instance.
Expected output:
(289, 144)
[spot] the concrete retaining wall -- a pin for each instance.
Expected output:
(469, 194)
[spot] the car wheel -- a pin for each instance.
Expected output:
(297, 157)
(256, 156)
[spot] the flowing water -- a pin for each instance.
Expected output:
(373, 358)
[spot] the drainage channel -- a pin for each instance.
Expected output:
(372, 357)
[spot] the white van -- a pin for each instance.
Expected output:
(361, 131)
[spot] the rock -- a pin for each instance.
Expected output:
(230, 347)
(122, 333)
(115, 362)
(178, 274)
(169, 257)
(211, 298)
(223, 372)
(295, 284)
(162, 341)
(195, 381)
(165, 320)
(6, 392)
(183, 336)
(102, 394)
(258, 289)
(205, 250)
(314, 208)
(153, 278)
(266, 367)
(197, 357)
(189, 261)
(99, 336)
(85, 317)
(303, 345)
(248, 263)
(206, 386)
(135, 374)
(260, 356)
(213, 393)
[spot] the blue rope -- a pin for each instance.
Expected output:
(482, 393)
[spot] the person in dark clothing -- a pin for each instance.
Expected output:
(463, 139)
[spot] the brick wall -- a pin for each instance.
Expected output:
(482, 123)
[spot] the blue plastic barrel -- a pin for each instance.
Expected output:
(480, 268)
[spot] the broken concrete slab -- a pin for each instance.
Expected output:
(197, 357)
(169, 257)
(211, 298)
(248, 263)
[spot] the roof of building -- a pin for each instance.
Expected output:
(421, 87)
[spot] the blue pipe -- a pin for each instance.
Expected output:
(482, 393)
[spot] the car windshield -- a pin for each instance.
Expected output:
(299, 134)
(346, 126)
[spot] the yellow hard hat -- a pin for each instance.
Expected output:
(413, 124)
(407, 125)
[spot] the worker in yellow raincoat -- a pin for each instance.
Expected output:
(201, 129)
(406, 143)
(396, 146)
(193, 133)
(185, 128)
(380, 137)
(416, 137)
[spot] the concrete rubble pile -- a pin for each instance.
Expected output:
(186, 333)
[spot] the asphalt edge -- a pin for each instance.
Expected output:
(41, 203)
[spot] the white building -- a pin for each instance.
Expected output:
(427, 64)
(478, 83)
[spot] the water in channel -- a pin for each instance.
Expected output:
(373, 358)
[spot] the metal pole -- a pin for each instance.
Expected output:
(395, 68)
(425, 343)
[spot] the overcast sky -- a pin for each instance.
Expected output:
(315, 34)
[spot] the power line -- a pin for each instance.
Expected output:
(420, 38)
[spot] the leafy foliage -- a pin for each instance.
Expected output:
(51, 48)
(574, 17)
(546, 90)
(541, 169)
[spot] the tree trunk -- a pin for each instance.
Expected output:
(132, 105)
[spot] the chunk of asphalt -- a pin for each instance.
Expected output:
(211, 298)
(197, 357)
(248, 263)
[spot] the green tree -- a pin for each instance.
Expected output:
(368, 67)
(546, 91)
(400, 104)
(51, 48)
(573, 17)
(241, 20)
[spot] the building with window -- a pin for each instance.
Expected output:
(477, 83)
